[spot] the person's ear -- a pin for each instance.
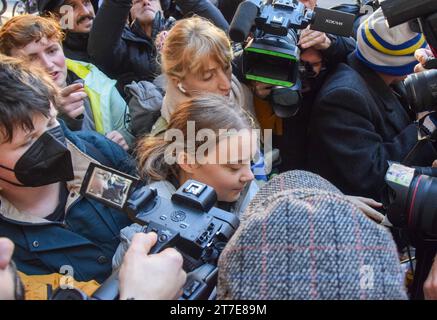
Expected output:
(175, 80)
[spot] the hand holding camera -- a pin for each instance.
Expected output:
(151, 277)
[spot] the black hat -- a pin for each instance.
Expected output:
(48, 5)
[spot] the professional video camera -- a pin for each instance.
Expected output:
(411, 201)
(188, 222)
(272, 55)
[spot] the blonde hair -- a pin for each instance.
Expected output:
(190, 43)
(210, 111)
(21, 30)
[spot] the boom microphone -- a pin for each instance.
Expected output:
(243, 20)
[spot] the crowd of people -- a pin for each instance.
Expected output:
(123, 83)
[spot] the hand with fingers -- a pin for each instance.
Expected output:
(260, 89)
(147, 276)
(116, 137)
(310, 4)
(430, 285)
(314, 39)
(423, 56)
(6, 276)
(159, 41)
(367, 205)
(71, 100)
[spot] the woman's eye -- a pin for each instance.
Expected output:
(207, 76)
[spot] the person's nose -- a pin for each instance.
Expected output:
(83, 10)
(46, 63)
(246, 175)
(224, 81)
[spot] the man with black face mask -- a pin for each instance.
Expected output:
(58, 235)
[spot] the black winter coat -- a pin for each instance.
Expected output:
(75, 46)
(126, 53)
(357, 125)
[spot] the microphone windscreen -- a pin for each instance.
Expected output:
(302, 239)
(242, 21)
(400, 11)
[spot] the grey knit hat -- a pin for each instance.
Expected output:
(300, 238)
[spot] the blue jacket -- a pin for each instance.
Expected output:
(89, 236)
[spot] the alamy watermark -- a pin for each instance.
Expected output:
(367, 277)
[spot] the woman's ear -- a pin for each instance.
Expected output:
(187, 163)
(175, 81)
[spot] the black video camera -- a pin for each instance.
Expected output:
(272, 55)
(421, 91)
(188, 222)
(411, 202)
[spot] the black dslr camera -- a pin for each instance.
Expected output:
(411, 202)
(272, 55)
(188, 222)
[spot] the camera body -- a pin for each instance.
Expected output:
(411, 202)
(188, 222)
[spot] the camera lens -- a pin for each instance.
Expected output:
(422, 90)
(421, 209)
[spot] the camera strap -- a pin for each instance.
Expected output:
(424, 138)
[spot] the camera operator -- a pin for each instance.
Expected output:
(358, 121)
(142, 276)
(320, 52)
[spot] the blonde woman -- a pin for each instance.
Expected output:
(196, 59)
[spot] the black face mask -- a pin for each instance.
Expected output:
(47, 161)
